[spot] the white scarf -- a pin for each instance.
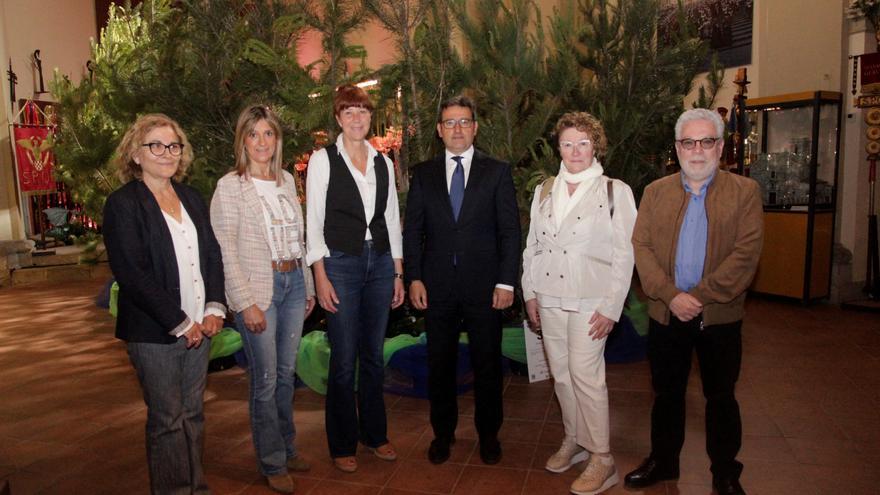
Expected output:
(562, 201)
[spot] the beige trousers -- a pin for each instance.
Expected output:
(577, 363)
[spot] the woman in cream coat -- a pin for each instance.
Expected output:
(257, 217)
(577, 267)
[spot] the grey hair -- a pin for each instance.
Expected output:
(700, 114)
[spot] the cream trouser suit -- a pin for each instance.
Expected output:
(580, 266)
(578, 366)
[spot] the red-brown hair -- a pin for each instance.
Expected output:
(348, 96)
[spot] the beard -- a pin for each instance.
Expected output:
(699, 170)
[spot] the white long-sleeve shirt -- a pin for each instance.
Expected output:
(317, 181)
(192, 285)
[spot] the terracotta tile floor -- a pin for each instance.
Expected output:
(71, 416)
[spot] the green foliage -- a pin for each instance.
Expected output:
(517, 87)
(520, 80)
(200, 63)
(429, 75)
(402, 18)
(635, 85)
(334, 20)
(715, 79)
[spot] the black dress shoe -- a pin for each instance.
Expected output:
(438, 452)
(649, 473)
(490, 451)
(728, 486)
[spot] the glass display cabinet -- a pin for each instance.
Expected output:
(792, 151)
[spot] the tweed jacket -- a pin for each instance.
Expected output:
(237, 217)
(735, 212)
(589, 256)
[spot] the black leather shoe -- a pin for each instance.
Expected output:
(728, 486)
(649, 473)
(490, 451)
(438, 452)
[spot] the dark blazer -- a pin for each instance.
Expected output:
(142, 258)
(485, 241)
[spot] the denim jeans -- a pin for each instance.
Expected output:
(364, 285)
(271, 358)
(173, 379)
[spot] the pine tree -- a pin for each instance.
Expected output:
(193, 60)
(520, 81)
(402, 18)
(335, 20)
(634, 84)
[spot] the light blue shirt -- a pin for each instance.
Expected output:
(690, 254)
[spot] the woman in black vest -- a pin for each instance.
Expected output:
(355, 250)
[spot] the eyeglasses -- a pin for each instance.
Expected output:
(464, 123)
(158, 149)
(705, 143)
(582, 145)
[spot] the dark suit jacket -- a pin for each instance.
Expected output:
(485, 241)
(142, 258)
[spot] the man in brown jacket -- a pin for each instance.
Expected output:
(697, 241)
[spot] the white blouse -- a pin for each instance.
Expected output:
(192, 285)
(317, 181)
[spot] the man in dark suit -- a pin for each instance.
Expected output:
(461, 246)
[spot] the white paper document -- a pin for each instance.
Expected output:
(535, 357)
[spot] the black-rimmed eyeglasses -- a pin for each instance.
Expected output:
(705, 143)
(464, 123)
(158, 149)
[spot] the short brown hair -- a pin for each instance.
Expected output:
(458, 101)
(584, 122)
(126, 168)
(349, 95)
(247, 120)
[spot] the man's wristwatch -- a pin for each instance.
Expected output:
(398, 275)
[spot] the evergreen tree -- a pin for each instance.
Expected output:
(634, 84)
(402, 18)
(520, 81)
(190, 59)
(334, 20)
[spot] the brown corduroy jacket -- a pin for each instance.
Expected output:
(735, 212)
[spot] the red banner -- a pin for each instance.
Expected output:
(870, 72)
(34, 153)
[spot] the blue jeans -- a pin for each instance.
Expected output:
(173, 379)
(364, 285)
(271, 358)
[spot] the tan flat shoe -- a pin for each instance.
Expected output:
(385, 452)
(298, 463)
(281, 483)
(348, 464)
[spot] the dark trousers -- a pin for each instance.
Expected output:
(364, 285)
(173, 381)
(443, 321)
(719, 352)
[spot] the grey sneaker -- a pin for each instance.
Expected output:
(569, 454)
(599, 476)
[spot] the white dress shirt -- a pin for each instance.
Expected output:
(467, 158)
(317, 181)
(189, 271)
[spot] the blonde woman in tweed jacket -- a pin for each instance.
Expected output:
(258, 221)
